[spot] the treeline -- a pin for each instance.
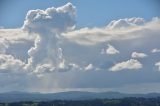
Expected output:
(96, 102)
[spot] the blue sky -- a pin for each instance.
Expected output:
(89, 12)
(86, 45)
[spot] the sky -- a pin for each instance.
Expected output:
(85, 45)
(89, 12)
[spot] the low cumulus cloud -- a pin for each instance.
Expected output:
(89, 67)
(138, 55)
(111, 50)
(131, 64)
(158, 65)
(156, 50)
(8, 64)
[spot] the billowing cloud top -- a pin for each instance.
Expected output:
(92, 36)
(49, 52)
(125, 23)
(53, 19)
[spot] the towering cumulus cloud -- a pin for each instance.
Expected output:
(48, 25)
(48, 53)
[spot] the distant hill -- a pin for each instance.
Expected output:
(71, 95)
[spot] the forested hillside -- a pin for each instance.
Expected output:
(96, 102)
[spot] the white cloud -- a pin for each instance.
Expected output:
(11, 36)
(131, 64)
(111, 50)
(8, 64)
(158, 65)
(43, 28)
(48, 24)
(16, 42)
(44, 68)
(3, 46)
(89, 67)
(138, 55)
(48, 43)
(125, 23)
(156, 50)
(49, 28)
(93, 36)
(58, 20)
